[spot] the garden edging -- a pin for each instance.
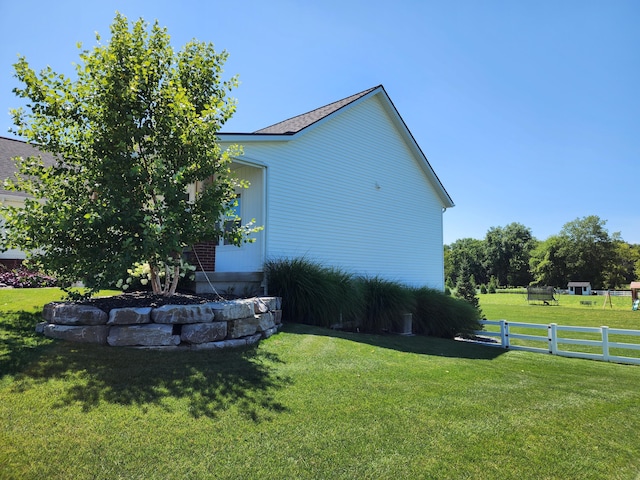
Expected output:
(212, 325)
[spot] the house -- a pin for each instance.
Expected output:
(579, 288)
(10, 148)
(345, 185)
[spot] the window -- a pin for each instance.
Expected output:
(232, 220)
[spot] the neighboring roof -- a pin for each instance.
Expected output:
(298, 125)
(10, 148)
(299, 122)
(634, 285)
(579, 284)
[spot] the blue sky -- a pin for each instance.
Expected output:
(529, 111)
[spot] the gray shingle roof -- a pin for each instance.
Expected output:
(300, 122)
(10, 148)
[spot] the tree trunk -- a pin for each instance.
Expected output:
(156, 285)
(174, 280)
(171, 279)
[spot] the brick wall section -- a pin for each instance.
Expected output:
(206, 253)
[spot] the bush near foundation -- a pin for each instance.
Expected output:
(313, 294)
(440, 315)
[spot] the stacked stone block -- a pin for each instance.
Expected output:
(204, 326)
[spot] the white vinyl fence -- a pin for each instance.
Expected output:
(555, 337)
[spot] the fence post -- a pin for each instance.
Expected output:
(553, 338)
(605, 343)
(504, 333)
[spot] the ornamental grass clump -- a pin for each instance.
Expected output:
(313, 294)
(385, 302)
(443, 316)
(329, 297)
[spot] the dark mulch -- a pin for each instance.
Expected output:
(148, 299)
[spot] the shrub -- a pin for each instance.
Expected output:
(313, 294)
(24, 278)
(384, 304)
(493, 285)
(443, 316)
(317, 295)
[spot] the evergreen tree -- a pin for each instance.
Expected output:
(466, 289)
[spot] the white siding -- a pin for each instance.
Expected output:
(349, 193)
(248, 257)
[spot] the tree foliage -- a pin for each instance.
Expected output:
(469, 250)
(548, 265)
(131, 132)
(582, 251)
(507, 253)
(622, 268)
(466, 288)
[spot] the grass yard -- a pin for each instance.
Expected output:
(582, 311)
(310, 403)
(569, 311)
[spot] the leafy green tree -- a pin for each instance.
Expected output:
(468, 250)
(507, 253)
(548, 264)
(493, 285)
(132, 131)
(589, 249)
(622, 269)
(583, 250)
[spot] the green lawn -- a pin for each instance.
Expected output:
(614, 313)
(569, 311)
(310, 403)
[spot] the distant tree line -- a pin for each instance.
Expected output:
(510, 256)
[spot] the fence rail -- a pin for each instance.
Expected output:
(553, 339)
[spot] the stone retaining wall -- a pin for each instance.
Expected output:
(211, 325)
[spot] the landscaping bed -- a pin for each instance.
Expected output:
(148, 299)
(152, 321)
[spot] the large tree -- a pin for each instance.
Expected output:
(507, 254)
(582, 251)
(132, 131)
(469, 250)
(621, 271)
(548, 264)
(590, 250)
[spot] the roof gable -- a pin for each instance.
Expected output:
(296, 124)
(291, 128)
